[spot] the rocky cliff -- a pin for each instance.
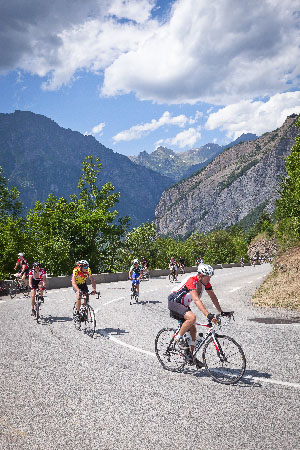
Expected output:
(236, 186)
(40, 157)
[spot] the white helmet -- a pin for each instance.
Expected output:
(135, 261)
(205, 269)
(20, 254)
(82, 262)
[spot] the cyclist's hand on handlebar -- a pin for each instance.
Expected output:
(212, 318)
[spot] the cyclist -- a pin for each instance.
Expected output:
(37, 279)
(135, 274)
(80, 275)
(180, 298)
(182, 264)
(173, 266)
(24, 268)
(145, 266)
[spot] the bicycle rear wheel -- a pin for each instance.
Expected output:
(13, 289)
(89, 321)
(76, 320)
(167, 352)
(225, 361)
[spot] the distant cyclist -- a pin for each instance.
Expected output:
(173, 266)
(80, 275)
(191, 289)
(24, 268)
(135, 274)
(182, 264)
(37, 280)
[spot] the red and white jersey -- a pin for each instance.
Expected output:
(40, 275)
(181, 294)
(24, 262)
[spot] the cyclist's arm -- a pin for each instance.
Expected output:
(129, 275)
(75, 285)
(93, 283)
(30, 281)
(215, 300)
(198, 302)
(44, 281)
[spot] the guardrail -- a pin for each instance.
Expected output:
(65, 281)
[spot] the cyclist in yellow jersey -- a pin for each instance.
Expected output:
(80, 275)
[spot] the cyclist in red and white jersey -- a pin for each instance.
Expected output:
(37, 279)
(24, 268)
(191, 289)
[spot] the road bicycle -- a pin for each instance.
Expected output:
(134, 292)
(4, 288)
(86, 319)
(145, 275)
(172, 275)
(18, 286)
(222, 356)
(38, 301)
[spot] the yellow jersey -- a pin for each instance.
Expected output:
(81, 277)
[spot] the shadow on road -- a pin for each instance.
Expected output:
(49, 320)
(106, 332)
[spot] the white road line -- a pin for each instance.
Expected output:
(146, 352)
(249, 282)
(2, 301)
(111, 301)
(235, 289)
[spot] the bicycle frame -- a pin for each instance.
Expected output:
(212, 332)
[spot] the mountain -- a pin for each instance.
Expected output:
(39, 157)
(177, 165)
(180, 165)
(245, 137)
(235, 187)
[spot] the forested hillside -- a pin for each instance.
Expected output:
(39, 157)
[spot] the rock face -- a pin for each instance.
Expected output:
(39, 157)
(236, 186)
(177, 165)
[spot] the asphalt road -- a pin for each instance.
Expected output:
(60, 389)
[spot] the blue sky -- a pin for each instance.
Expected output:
(141, 73)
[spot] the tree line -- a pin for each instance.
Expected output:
(59, 231)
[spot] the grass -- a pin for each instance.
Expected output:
(281, 289)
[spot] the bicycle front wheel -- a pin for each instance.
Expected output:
(224, 359)
(167, 351)
(13, 289)
(37, 311)
(89, 321)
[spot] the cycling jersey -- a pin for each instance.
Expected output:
(40, 274)
(81, 277)
(24, 262)
(182, 294)
(136, 270)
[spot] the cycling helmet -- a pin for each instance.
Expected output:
(20, 254)
(83, 262)
(36, 264)
(135, 261)
(205, 269)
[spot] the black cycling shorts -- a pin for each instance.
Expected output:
(35, 283)
(177, 309)
(82, 287)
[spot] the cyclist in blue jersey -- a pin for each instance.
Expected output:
(135, 273)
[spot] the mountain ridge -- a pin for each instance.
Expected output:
(39, 157)
(241, 179)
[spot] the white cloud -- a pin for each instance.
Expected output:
(137, 131)
(137, 10)
(98, 129)
(254, 116)
(186, 138)
(218, 52)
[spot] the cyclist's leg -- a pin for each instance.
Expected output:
(33, 291)
(85, 290)
(182, 312)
